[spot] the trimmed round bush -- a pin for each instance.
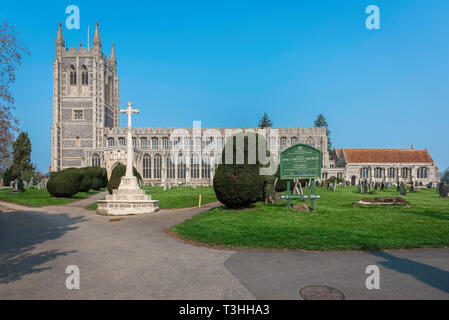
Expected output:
(116, 176)
(65, 183)
(239, 185)
(88, 176)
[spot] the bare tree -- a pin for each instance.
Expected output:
(11, 53)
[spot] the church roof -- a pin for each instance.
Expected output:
(385, 155)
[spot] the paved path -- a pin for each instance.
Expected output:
(134, 259)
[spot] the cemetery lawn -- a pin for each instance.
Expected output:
(38, 198)
(181, 197)
(335, 225)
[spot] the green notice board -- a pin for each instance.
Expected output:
(300, 162)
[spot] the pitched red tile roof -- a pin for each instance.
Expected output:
(385, 155)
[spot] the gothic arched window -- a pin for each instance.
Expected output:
(194, 166)
(364, 173)
(422, 173)
(143, 143)
(378, 173)
(72, 76)
(157, 166)
(122, 141)
(95, 160)
(146, 166)
(283, 143)
(170, 167)
(294, 141)
(181, 167)
(205, 167)
(154, 143)
(110, 142)
(84, 76)
(391, 173)
(404, 173)
(310, 142)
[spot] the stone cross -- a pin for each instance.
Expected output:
(130, 155)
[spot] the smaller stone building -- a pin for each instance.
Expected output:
(383, 165)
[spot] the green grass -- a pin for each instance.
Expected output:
(38, 198)
(181, 197)
(336, 224)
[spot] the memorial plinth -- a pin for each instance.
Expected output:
(128, 199)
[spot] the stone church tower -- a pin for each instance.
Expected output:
(85, 101)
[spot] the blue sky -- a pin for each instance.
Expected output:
(227, 62)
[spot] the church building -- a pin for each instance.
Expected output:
(86, 132)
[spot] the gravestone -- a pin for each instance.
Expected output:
(365, 186)
(40, 185)
(382, 186)
(165, 186)
(152, 184)
(402, 190)
(376, 186)
(387, 185)
(359, 189)
(334, 187)
(412, 188)
(13, 185)
(31, 183)
(169, 186)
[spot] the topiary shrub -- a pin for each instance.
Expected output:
(239, 185)
(65, 183)
(116, 176)
(103, 175)
(86, 183)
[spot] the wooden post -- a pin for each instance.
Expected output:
(288, 195)
(312, 208)
(199, 202)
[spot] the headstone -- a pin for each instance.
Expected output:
(152, 184)
(31, 183)
(165, 186)
(387, 185)
(412, 188)
(365, 187)
(382, 186)
(169, 186)
(398, 187)
(13, 185)
(402, 190)
(334, 186)
(360, 190)
(437, 187)
(429, 185)
(376, 186)
(40, 185)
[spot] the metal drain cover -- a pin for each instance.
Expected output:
(321, 293)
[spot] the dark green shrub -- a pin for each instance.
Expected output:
(88, 176)
(103, 175)
(239, 185)
(8, 177)
(116, 176)
(65, 183)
